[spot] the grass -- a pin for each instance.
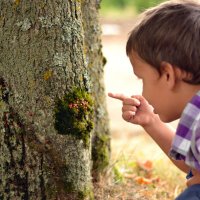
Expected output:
(140, 171)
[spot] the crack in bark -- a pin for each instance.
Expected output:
(15, 129)
(14, 140)
(42, 183)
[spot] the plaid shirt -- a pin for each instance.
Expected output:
(186, 143)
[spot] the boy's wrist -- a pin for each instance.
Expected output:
(154, 120)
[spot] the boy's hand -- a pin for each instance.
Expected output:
(135, 109)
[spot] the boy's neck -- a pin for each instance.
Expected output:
(184, 93)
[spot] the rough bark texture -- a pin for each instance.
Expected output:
(95, 61)
(45, 56)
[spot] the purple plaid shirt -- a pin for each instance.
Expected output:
(186, 143)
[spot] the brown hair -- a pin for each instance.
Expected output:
(169, 32)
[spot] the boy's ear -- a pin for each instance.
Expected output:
(168, 74)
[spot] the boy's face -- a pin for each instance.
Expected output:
(154, 89)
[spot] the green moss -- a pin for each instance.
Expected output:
(86, 194)
(74, 115)
(100, 154)
(68, 188)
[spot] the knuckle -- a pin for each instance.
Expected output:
(124, 116)
(127, 116)
(134, 109)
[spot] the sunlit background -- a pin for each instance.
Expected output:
(117, 18)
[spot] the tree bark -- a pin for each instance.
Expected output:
(46, 92)
(96, 61)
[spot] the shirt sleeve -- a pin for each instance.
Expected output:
(193, 156)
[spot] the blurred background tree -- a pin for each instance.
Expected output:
(136, 5)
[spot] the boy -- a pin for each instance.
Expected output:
(164, 50)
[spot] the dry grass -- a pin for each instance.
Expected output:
(140, 171)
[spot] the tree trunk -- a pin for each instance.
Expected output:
(48, 101)
(95, 61)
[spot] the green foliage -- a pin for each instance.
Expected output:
(73, 115)
(116, 3)
(118, 176)
(139, 5)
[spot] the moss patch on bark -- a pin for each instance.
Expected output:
(74, 115)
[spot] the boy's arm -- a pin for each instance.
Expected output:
(137, 110)
(163, 135)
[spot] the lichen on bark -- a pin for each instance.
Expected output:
(43, 58)
(95, 62)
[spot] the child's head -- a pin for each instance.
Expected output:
(164, 49)
(169, 32)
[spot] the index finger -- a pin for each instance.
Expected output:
(117, 96)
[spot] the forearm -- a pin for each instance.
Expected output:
(137, 110)
(163, 135)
